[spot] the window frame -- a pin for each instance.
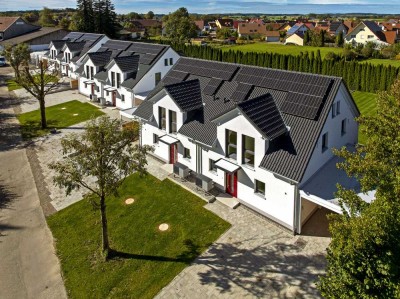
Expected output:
(343, 128)
(172, 123)
(165, 61)
(333, 110)
(257, 189)
(248, 151)
(162, 121)
(118, 80)
(211, 165)
(122, 98)
(155, 138)
(157, 80)
(228, 144)
(171, 61)
(87, 72)
(324, 142)
(337, 107)
(113, 79)
(186, 153)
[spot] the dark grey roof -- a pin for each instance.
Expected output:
(372, 26)
(288, 154)
(334, 26)
(58, 44)
(264, 114)
(127, 63)
(75, 46)
(100, 58)
(101, 76)
(186, 94)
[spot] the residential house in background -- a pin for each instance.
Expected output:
(122, 73)
(224, 23)
(336, 27)
(66, 54)
(369, 31)
(272, 36)
(295, 39)
(298, 28)
(251, 30)
(258, 134)
(14, 26)
(143, 27)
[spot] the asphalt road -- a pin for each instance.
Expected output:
(29, 267)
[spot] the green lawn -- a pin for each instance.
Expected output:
(280, 48)
(149, 259)
(385, 62)
(366, 103)
(58, 116)
(12, 85)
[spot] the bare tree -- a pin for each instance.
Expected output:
(38, 82)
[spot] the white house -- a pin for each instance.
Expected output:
(122, 73)
(259, 134)
(295, 39)
(66, 54)
(369, 31)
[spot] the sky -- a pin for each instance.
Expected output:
(226, 6)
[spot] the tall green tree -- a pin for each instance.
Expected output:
(364, 254)
(179, 26)
(149, 15)
(84, 20)
(340, 39)
(38, 81)
(105, 18)
(106, 152)
(46, 17)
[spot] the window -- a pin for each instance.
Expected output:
(166, 61)
(231, 142)
(108, 93)
(333, 110)
(157, 78)
(260, 187)
(370, 36)
(344, 123)
(362, 36)
(324, 142)
(186, 153)
(112, 79)
(91, 72)
(248, 150)
(171, 61)
(155, 138)
(212, 166)
(118, 80)
(122, 98)
(172, 122)
(353, 36)
(87, 72)
(338, 108)
(162, 120)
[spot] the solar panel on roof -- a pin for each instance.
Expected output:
(241, 92)
(212, 86)
(302, 105)
(207, 69)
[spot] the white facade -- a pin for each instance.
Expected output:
(281, 199)
(294, 39)
(126, 98)
(361, 35)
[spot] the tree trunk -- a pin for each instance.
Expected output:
(43, 113)
(104, 227)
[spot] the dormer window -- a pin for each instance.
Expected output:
(248, 150)
(231, 144)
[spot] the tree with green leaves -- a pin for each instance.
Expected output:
(224, 33)
(85, 16)
(179, 26)
(105, 18)
(149, 15)
(105, 151)
(306, 38)
(364, 254)
(46, 17)
(340, 39)
(38, 82)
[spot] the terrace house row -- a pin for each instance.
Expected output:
(66, 54)
(261, 135)
(122, 73)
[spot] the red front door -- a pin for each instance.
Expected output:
(92, 88)
(172, 154)
(231, 184)
(66, 69)
(114, 98)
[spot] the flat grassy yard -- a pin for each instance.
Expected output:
(281, 49)
(366, 103)
(385, 62)
(12, 85)
(58, 116)
(149, 259)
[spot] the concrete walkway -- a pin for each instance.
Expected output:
(29, 267)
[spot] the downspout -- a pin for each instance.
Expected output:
(297, 211)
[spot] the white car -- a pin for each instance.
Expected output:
(2, 61)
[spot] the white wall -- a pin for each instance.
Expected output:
(294, 39)
(335, 138)
(360, 36)
(148, 81)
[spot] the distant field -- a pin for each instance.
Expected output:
(281, 49)
(366, 103)
(385, 62)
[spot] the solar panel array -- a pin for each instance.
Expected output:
(305, 91)
(116, 45)
(241, 92)
(207, 69)
(73, 36)
(175, 77)
(302, 105)
(212, 86)
(88, 37)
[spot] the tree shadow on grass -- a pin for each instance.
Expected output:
(6, 196)
(32, 128)
(187, 256)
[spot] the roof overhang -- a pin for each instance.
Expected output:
(168, 139)
(226, 166)
(110, 89)
(89, 82)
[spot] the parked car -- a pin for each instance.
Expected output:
(2, 61)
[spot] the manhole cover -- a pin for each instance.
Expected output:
(63, 108)
(75, 114)
(129, 201)
(163, 227)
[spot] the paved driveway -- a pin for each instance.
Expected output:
(29, 267)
